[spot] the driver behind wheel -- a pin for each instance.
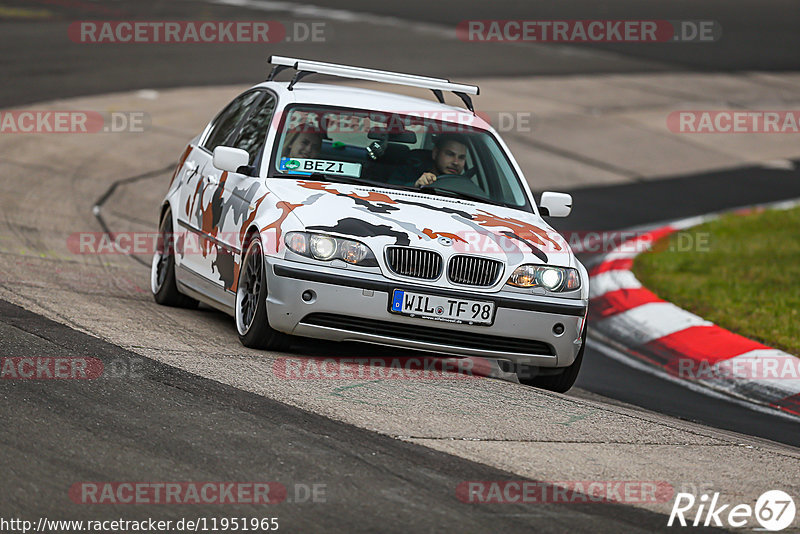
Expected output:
(449, 156)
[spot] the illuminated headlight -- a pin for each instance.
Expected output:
(552, 278)
(326, 248)
(555, 279)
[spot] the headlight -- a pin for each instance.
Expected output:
(323, 247)
(326, 248)
(555, 279)
(552, 278)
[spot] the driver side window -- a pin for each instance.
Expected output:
(253, 133)
(224, 125)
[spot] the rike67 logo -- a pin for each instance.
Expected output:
(774, 510)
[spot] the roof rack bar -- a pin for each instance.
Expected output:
(292, 62)
(360, 70)
(360, 73)
(387, 77)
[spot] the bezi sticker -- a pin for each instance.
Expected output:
(323, 166)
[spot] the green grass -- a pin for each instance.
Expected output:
(740, 272)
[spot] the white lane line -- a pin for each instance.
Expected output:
(608, 281)
(340, 15)
(440, 30)
(648, 322)
(689, 222)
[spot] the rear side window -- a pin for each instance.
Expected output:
(253, 133)
(224, 125)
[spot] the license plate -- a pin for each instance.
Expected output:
(440, 308)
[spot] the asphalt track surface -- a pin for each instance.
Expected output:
(160, 423)
(38, 64)
(164, 424)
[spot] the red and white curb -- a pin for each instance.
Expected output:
(639, 325)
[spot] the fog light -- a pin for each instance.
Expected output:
(558, 329)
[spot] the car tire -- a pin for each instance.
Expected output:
(251, 302)
(162, 269)
(561, 381)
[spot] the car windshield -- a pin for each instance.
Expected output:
(419, 151)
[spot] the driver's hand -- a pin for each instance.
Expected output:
(426, 179)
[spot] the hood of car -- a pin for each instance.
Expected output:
(383, 217)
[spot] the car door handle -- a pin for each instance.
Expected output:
(211, 179)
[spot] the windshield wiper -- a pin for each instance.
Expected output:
(459, 194)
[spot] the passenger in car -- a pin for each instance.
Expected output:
(302, 142)
(449, 156)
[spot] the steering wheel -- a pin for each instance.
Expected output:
(460, 183)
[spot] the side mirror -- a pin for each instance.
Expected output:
(556, 204)
(229, 159)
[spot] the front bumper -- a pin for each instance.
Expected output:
(354, 306)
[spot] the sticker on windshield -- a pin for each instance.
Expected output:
(309, 166)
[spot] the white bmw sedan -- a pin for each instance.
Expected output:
(333, 212)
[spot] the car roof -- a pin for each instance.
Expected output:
(356, 97)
